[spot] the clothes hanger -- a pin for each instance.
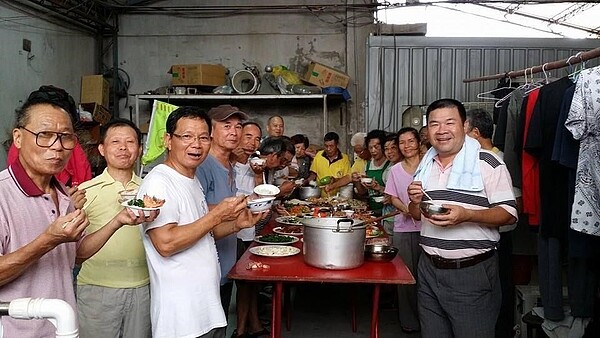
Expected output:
(524, 86)
(486, 95)
(578, 69)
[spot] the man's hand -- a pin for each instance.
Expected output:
(257, 168)
(230, 208)
(356, 177)
(246, 219)
(239, 155)
(456, 215)
(131, 217)
(415, 192)
(286, 188)
(77, 196)
(68, 228)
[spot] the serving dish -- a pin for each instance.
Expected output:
(274, 250)
(296, 230)
(276, 239)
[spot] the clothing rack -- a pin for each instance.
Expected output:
(571, 60)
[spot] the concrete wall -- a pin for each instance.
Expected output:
(149, 44)
(59, 56)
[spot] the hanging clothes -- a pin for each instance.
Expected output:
(530, 169)
(553, 177)
(584, 123)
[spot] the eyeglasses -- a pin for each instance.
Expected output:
(46, 139)
(187, 138)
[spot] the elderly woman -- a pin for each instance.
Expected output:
(406, 229)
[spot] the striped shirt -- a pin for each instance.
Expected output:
(467, 239)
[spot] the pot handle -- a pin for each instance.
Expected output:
(344, 220)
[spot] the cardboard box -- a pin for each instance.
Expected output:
(99, 113)
(323, 76)
(197, 75)
(94, 89)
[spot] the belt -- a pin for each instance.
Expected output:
(459, 263)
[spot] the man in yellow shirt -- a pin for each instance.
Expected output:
(113, 296)
(329, 162)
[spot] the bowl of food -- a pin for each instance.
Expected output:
(260, 204)
(380, 253)
(429, 208)
(266, 190)
(146, 204)
(366, 180)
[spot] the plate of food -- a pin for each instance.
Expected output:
(276, 239)
(294, 230)
(288, 220)
(274, 250)
(296, 210)
(373, 231)
(146, 204)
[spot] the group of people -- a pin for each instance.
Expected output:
(164, 274)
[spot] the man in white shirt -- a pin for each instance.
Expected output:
(180, 243)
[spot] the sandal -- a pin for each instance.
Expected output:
(263, 332)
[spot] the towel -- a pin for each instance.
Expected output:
(465, 173)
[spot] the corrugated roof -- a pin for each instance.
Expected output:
(554, 18)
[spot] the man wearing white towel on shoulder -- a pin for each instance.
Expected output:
(459, 286)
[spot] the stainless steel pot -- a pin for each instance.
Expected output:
(309, 191)
(334, 243)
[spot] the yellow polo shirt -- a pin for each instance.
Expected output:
(121, 262)
(359, 166)
(322, 167)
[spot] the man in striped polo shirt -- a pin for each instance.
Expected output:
(458, 286)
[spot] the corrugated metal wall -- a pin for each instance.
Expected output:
(406, 71)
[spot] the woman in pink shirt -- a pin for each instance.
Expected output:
(406, 229)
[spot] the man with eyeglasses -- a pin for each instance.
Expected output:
(41, 233)
(78, 168)
(180, 244)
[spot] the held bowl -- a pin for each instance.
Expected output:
(260, 204)
(257, 161)
(428, 209)
(380, 253)
(378, 199)
(366, 180)
(266, 190)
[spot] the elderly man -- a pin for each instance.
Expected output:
(118, 271)
(180, 243)
(41, 233)
(458, 286)
(278, 153)
(329, 162)
(275, 126)
(217, 176)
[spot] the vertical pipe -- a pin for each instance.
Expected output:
(115, 69)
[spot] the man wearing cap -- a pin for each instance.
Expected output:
(217, 176)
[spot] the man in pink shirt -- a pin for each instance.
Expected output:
(41, 232)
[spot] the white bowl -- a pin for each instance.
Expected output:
(366, 180)
(257, 161)
(378, 199)
(137, 209)
(349, 213)
(266, 190)
(260, 204)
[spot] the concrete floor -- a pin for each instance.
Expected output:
(324, 311)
